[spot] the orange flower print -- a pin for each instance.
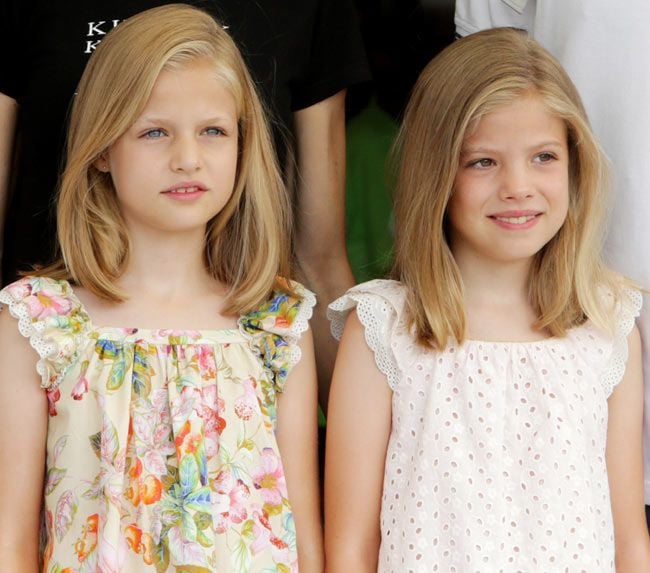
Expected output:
(136, 468)
(282, 322)
(132, 493)
(181, 435)
(147, 491)
(147, 548)
(86, 544)
(150, 490)
(139, 542)
(133, 536)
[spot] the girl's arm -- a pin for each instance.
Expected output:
(297, 440)
(358, 427)
(23, 428)
(625, 465)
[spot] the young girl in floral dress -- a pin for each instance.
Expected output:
(173, 428)
(486, 407)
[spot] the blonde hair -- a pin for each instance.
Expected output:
(247, 243)
(473, 77)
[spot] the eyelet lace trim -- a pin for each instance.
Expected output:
(630, 306)
(378, 304)
(33, 331)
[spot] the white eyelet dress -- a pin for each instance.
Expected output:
(496, 458)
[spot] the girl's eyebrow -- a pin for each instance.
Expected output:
(153, 119)
(484, 149)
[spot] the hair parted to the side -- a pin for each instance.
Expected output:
(469, 79)
(247, 243)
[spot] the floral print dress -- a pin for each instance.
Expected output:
(161, 448)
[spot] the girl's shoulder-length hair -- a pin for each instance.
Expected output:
(473, 77)
(247, 243)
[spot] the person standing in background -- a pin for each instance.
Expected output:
(303, 55)
(604, 48)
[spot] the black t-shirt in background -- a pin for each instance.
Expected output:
(299, 53)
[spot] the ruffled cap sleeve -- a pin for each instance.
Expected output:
(628, 309)
(275, 329)
(51, 317)
(380, 307)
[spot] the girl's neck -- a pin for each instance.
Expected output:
(166, 285)
(167, 265)
(492, 280)
(496, 300)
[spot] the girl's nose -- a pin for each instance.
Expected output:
(516, 183)
(185, 156)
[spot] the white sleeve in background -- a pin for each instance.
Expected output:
(475, 15)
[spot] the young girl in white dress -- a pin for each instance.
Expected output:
(486, 408)
(164, 419)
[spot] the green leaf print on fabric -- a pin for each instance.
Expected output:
(54, 477)
(142, 372)
(121, 363)
(105, 443)
(240, 557)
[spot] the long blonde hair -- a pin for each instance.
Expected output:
(475, 76)
(247, 243)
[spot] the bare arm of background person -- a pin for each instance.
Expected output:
(8, 114)
(320, 219)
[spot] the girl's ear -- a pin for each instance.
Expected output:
(101, 163)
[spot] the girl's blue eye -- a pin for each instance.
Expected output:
(214, 131)
(154, 133)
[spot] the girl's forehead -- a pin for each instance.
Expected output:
(510, 109)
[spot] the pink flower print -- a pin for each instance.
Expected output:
(176, 336)
(80, 388)
(261, 532)
(213, 424)
(53, 396)
(264, 538)
(46, 304)
(246, 404)
(20, 290)
(207, 366)
(231, 500)
(269, 478)
(152, 432)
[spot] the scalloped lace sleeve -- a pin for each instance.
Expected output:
(379, 305)
(51, 319)
(275, 329)
(630, 306)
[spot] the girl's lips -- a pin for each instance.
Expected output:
(186, 190)
(516, 219)
(181, 185)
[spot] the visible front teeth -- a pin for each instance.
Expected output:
(186, 190)
(516, 220)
